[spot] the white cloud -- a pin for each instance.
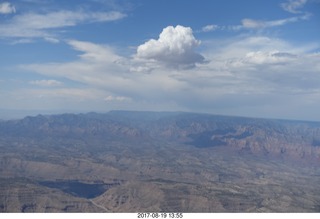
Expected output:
(94, 52)
(51, 40)
(245, 76)
(209, 28)
(249, 23)
(63, 19)
(293, 6)
(270, 57)
(97, 66)
(268, 65)
(46, 83)
(42, 25)
(175, 47)
(7, 8)
(259, 24)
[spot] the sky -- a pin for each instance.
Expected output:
(253, 58)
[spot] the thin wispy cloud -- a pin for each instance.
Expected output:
(294, 6)
(291, 6)
(210, 28)
(260, 24)
(51, 39)
(46, 83)
(44, 25)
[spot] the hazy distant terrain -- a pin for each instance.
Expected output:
(125, 161)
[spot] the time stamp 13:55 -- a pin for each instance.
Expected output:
(160, 215)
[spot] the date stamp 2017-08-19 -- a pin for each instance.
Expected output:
(160, 215)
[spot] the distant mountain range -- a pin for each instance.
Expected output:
(127, 161)
(298, 139)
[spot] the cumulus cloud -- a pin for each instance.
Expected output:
(175, 47)
(293, 6)
(7, 8)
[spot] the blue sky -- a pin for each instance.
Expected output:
(252, 58)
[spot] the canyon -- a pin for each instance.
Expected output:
(133, 161)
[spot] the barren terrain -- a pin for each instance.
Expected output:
(158, 162)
